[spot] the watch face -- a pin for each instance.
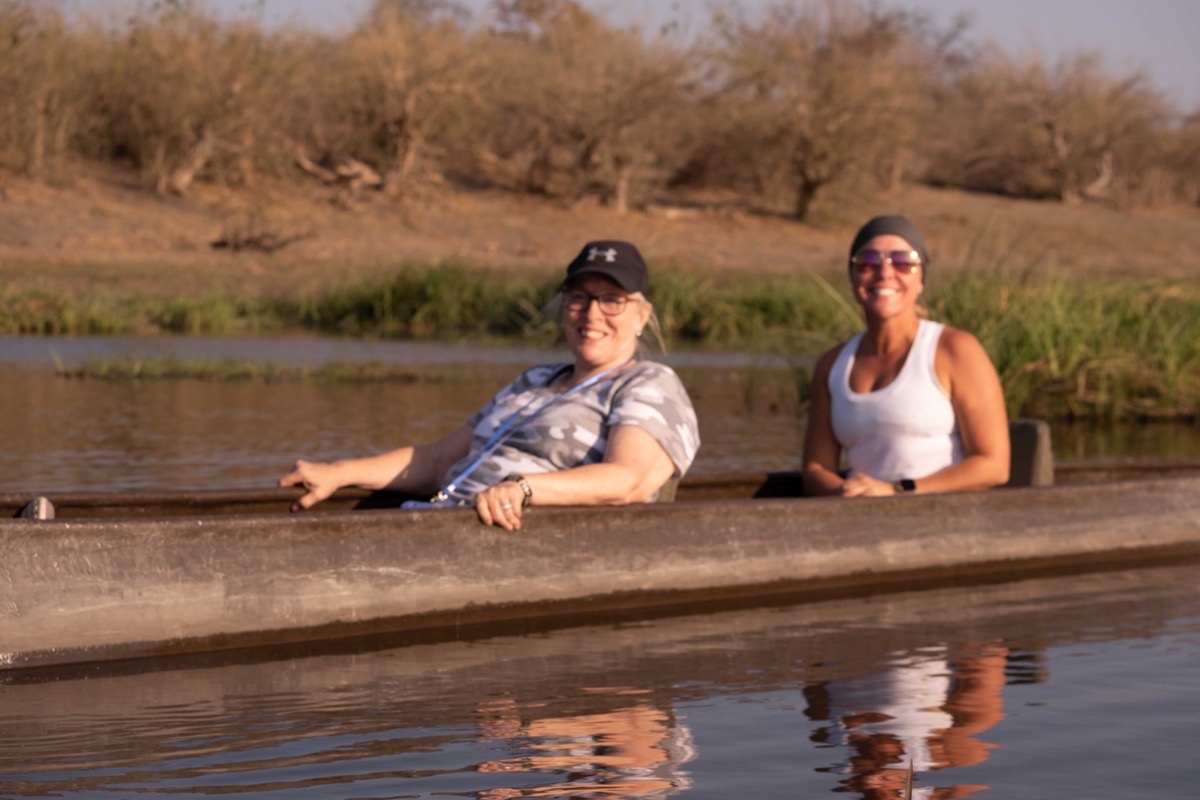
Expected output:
(908, 485)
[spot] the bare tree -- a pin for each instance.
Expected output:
(1087, 117)
(180, 92)
(390, 89)
(819, 92)
(1069, 132)
(804, 96)
(1184, 159)
(581, 106)
(39, 102)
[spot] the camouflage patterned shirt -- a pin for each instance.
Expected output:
(573, 431)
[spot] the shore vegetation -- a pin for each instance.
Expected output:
(1102, 350)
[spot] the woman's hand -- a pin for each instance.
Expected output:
(635, 467)
(866, 486)
(320, 481)
(501, 505)
(413, 470)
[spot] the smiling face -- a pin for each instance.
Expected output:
(884, 291)
(599, 341)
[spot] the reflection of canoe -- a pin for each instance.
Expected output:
(676, 660)
(117, 719)
(120, 576)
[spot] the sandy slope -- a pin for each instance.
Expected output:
(99, 230)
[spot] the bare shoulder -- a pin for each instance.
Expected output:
(961, 360)
(958, 345)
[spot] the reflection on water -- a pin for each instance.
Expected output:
(633, 751)
(70, 434)
(925, 712)
(1006, 688)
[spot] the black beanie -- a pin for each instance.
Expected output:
(895, 225)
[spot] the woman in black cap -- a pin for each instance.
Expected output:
(606, 428)
(908, 405)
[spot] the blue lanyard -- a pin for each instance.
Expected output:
(498, 436)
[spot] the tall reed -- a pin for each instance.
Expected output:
(1064, 349)
(1128, 350)
(431, 301)
(102, 313)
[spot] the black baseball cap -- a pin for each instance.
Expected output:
(616, 260)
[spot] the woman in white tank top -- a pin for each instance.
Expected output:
(907, 405)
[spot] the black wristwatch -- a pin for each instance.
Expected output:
(519, 480)
(904, 486)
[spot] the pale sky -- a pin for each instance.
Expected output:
(1159, 37)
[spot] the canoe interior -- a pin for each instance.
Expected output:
(1032, 464)
(141, 504)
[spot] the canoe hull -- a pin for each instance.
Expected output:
(99, 589)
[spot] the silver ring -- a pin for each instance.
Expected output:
(506, 506)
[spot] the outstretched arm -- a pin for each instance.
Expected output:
(415, 470)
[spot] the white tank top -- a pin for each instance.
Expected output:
(906, 429)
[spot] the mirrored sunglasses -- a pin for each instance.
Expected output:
(872, 260)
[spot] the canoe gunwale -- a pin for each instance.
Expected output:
(782, 483)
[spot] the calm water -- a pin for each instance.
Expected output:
(1080, 686)
(70, 434)
(63, 433)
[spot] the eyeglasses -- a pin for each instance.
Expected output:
(872, 260)
(610, 304)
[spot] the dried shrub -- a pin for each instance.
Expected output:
(813, 94)
(805, 100)
(1068, 132)
(180, 93)
(386, 94)
(576, 108)
(39, 105)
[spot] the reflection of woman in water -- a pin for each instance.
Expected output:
(926, 711)
(635, 751)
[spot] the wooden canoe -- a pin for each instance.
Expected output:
(135, 575)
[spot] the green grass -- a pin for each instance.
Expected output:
(102, 313)
(1084, 349)
(427, 302)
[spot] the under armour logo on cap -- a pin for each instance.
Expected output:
(610, 255)
(616, 260)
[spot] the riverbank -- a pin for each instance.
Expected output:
(101, 231)
(1089, 313)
